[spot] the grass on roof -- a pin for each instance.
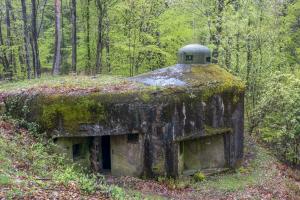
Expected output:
(63, 81)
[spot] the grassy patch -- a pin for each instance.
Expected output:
(253, 175)
(62, 81)
(4, 180)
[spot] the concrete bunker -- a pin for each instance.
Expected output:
(173, 121)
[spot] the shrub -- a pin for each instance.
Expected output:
(277, 116)
(199, 177)
(87, 183)
(118, 193)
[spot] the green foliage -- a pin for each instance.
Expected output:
(172, 183)
(118, 193)
(38, 159)
(278, 116)
(199, 176)
(4, 180)
(87, 183)
(32, 127)
(293, 47)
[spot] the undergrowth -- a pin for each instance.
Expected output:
(27, 162)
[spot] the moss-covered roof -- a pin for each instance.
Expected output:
(190, 77)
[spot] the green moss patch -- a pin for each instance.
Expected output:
(70, 112)
(213, 79)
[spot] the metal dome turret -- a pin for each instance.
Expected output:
(194, 54)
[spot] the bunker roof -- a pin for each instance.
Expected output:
(185, 77)
(195, 76)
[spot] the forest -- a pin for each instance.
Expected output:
(255, 40)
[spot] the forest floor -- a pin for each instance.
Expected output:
(260, 177)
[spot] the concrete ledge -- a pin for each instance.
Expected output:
(207, 133)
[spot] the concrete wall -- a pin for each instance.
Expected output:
(204, 153)
(65, 145)
(127, 158)
(181, 158)
(158, 154)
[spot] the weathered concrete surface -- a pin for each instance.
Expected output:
(209, 105)
(204, 153)
(66, 146)
(127, 157)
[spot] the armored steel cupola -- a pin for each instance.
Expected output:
(194, 54)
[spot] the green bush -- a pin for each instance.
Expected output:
(277, 116)
(87, 183)
(118, 193)
(199, 177)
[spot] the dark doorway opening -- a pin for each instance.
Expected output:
(106, 157)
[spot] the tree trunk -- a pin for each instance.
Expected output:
(101, 14)
(3, 52)
(57, 52)
(8, 33)
(228, 53)
(107, 43)
(88, 66)
(237, 53)
(249, 56)
(42, 18)
(99, 48)
(74, 36)
(36, 54)
(26, 39)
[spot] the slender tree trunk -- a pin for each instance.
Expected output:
(42, 18)
(33, 57)
(237, 54)
(63, 59)
(3, 52)
(107, 43)
(74, 36)
(249, 55)
(228, 53)
(99, 48)
(8, 33)
(36, 54)
(88, 46)
(26, 39)
(57, 53)
(101, 11)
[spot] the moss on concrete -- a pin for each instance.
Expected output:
(213, 79)
(72, 111)
(65, 146)
(209, 131)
